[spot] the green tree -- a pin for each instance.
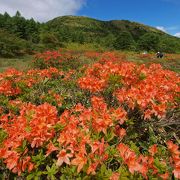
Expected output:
(11, 45)
(50, 40)
(18, 14)
(168, 45)
(32, 31)
(7, 21)
(19, 26)
(124, 41)
(108, 41)
(149, 42)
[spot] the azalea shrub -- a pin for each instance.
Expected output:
(102, 118)
(63, 59)
(169, 61)
(152, 90)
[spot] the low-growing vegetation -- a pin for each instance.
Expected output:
(90, 115)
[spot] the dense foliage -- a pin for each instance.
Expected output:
(11, 45)
(59, 32)
(18, 25)
(89, 116)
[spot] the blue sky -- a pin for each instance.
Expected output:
(162, 14)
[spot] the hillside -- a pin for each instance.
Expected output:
(116, 34)
(96, 27)
(84, 29)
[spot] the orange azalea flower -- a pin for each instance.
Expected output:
(25, 163)
(120, 115)
(173, 148)
(115, 176)
(12, 160)
(92, 168)
(4, 153)
(134, 164)
(164, 176)
(30, 167)
(79, 107)
(95, 146)
(50, 149)
(176, 172)
(63, 157)
(153, 149)
(79, 161)
(37, 142)
(120, 131)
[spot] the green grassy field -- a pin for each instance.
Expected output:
(23, 63)
(167, 63)
(18, 63)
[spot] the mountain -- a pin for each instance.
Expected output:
(84, 29)
(101, 28)
(116, 34)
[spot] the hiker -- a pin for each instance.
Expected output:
(159, 55)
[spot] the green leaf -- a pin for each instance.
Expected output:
(161, 167)
(45, 80)
(134, 147)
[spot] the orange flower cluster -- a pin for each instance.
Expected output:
(10, 79)
(92, 135)
(143, 164)
(77, 128)
(49, 55)
(92, 54)
(139, 164)
(56, 96)
(153, 93)
(151, 89)
(54, 58)
(61, 57)
(34, 125)
(96, 78)
(175, 160)
(7, 82)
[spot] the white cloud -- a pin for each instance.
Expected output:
(41, 10)
(177, 34)
(161, 28)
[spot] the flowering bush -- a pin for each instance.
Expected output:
(60, 59)
(106, 120)
(153, 90)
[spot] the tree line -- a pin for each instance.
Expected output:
(19, 36)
